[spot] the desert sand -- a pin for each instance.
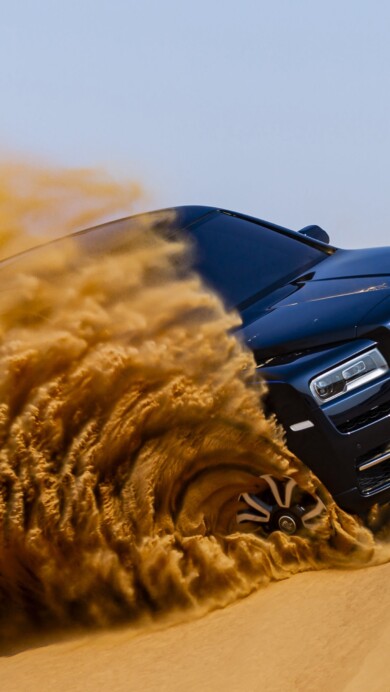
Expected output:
(130, 423)
(327, 630)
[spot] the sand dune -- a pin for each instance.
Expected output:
(320, 631)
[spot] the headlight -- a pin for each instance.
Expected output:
(351, 374)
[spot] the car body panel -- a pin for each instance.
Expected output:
(322, 312)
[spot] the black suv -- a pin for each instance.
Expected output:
(317, 319)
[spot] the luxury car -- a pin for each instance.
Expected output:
(317, 319)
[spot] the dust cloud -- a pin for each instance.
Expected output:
(130, 421)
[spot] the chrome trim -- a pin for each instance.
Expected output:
(375, 461)
(379, 489)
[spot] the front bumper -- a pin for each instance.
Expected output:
(347, 441)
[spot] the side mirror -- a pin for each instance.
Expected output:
(315, 232)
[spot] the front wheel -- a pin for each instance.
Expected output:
(281, 505)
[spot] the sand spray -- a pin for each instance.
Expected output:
(130, 420)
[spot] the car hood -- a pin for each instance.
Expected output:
(327, 306)
(352, 263)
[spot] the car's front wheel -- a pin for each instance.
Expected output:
(281, 505)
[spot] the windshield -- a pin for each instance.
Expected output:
(244, 261)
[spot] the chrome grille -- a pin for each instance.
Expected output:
(373, 471)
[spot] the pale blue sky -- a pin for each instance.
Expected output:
(278, 109)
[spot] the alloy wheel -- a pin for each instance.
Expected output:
(281, 505)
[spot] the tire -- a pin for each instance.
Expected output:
(281, 505)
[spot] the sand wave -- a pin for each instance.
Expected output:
(130, 421)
